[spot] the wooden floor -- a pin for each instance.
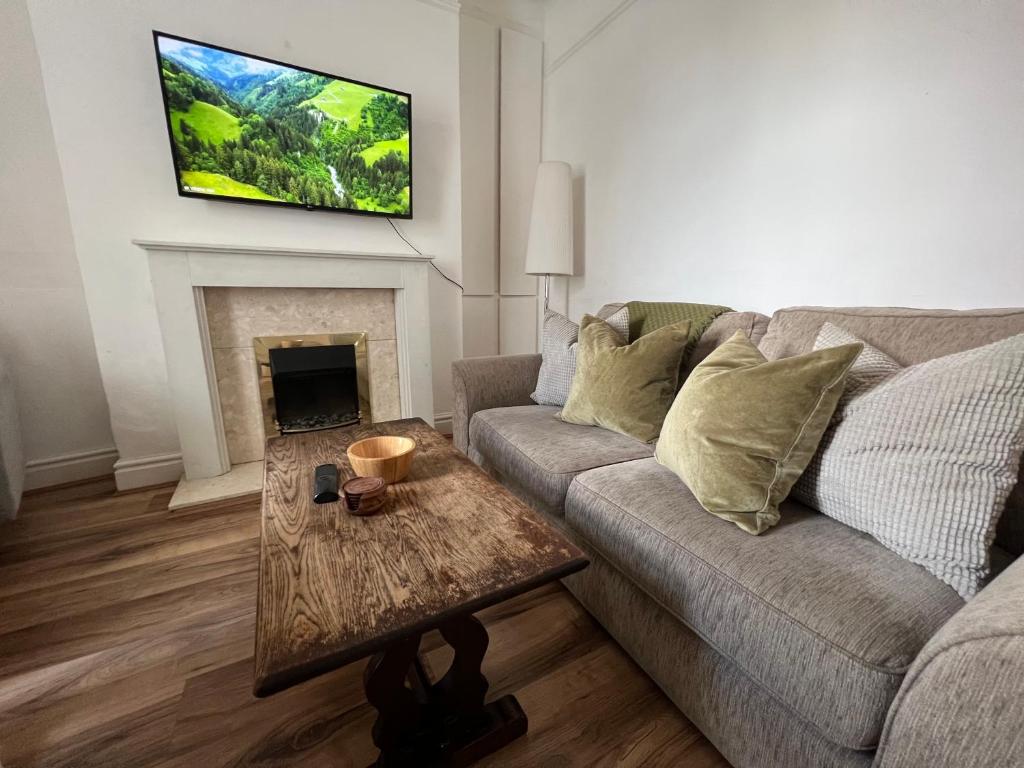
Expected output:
(126, 639)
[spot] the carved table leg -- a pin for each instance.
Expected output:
(463, 687)
(398, 710)
(473, 728)
(446, 724)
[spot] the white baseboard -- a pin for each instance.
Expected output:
(443, 422)
(167, 468)
(82, 465)
(130, 474)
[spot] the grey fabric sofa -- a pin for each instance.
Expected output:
(811, 645)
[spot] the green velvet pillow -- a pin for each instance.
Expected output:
(743, 429)
(624, 387)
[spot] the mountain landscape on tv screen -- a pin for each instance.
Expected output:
(247, 128)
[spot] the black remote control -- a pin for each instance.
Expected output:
(325, 484)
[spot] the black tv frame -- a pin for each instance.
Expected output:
(276, 203)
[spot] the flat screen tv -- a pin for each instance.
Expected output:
(249, 129)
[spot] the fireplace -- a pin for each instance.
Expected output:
(313, 381)
(269, 291)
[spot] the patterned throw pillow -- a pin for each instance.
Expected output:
(923, 458)
(558, 364)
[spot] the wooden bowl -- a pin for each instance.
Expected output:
(388, 456)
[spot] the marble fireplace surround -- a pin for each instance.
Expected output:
(235, 316)
(180, 273)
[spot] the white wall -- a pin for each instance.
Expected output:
(44, 325)
(104, 99)
(779, 152)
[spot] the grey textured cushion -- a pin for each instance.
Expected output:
(822, 616)
(558, 349)
(542, 454)
(748, 725)
(870, 369)
(909, 336)
(923, 458)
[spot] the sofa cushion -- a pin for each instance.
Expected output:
(743, 428)
(923, 458)
(625, 387)
(541, 454)
(754, 324)
(822, 616)
(560, 342)
(909, 336)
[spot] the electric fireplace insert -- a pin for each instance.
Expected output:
(314, 381)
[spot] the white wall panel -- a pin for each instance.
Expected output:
(480, 326)
(478, 76)
(518, 318)
(521, 88)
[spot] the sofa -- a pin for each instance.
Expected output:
(810, 645)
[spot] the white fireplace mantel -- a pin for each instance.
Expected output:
(180, 272)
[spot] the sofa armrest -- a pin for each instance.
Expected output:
(962, 701)
(490, 382)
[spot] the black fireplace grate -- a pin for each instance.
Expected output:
(315, 387)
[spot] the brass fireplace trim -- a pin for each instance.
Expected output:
(263, 344)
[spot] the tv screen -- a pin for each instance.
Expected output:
(249, 129)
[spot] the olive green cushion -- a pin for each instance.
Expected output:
(652, 315)
(624, 387)
(743, 429)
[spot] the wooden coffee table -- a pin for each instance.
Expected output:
(335, 588)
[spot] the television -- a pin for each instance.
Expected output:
(249, 129)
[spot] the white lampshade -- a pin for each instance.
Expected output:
(549, 250)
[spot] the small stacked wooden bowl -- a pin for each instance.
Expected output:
(364, 495)
(387, 456)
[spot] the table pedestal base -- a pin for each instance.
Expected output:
(445, 724)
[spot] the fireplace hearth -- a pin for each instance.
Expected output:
(313, 381)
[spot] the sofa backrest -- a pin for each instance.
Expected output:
(754, 324)
(909, 336)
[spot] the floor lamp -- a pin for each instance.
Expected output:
(549, 249)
